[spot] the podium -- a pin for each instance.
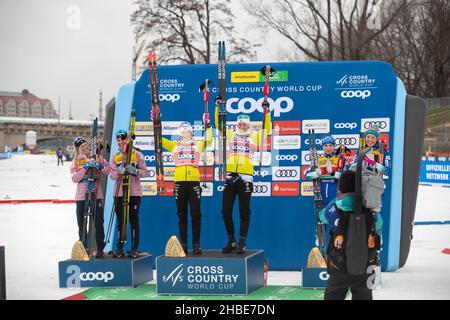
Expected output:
(210, 273)
(315, 278)
(106, 272)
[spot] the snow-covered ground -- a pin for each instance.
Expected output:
(37, 236)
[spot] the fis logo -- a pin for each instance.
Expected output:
(174, 276)
(343, 81)
(249, 105)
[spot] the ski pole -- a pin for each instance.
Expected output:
(206, 93)
(268, 72)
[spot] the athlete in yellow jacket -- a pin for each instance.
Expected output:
(241, 147)
(186, 154)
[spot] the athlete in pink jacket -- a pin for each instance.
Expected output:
(137, 169)
(78, 170)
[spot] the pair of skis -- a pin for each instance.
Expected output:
(126, 186)
(84, 249)
(318, 200)
(157, 126)
(221, 102)
(205, 87)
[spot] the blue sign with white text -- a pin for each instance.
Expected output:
(435, 172)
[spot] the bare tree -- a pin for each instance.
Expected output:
(187, 31)
(324, 29)
(417, 44)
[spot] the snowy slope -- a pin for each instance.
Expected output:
(37, 236)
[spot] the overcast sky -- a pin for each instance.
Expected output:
(44, 49)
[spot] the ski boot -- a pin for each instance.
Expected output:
(119, 253)
(185, 247)
(197, 249)
(241, 246)
(133, 254)
(231, 246)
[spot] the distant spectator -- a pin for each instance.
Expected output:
(60, 154)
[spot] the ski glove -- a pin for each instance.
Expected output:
(336, 174)
(338, 241)
(207, 120)
(130, 169)
(152, 115)
(314, 174)
(92, 164)
(218, 99)
(121, 169)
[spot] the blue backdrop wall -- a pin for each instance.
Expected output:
(338, 98)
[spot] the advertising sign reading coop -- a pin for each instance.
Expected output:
(332, 98)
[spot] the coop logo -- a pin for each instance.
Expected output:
(169, 97)
(347, 125)
(306, 157)
(324, 276)
(317, 141)
(351, 141)
(167, 158)
(97, 276)
(184, 156)
(361, 94)
(318, 125)
(249, 105)
(238, 148)
(287, 142)
(286, 157)
(264, 173)
(286, 173)
(382, 123)
(175, 276)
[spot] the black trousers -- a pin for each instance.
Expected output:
(98, 222)
(60, 159)
(188, 193)
(135, 203)
(243, 190)
(340, 282)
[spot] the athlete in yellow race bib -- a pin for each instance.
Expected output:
(241, 146)
(186, 155)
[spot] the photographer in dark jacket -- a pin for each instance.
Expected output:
(336, 215)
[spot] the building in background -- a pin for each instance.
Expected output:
(25, 105)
